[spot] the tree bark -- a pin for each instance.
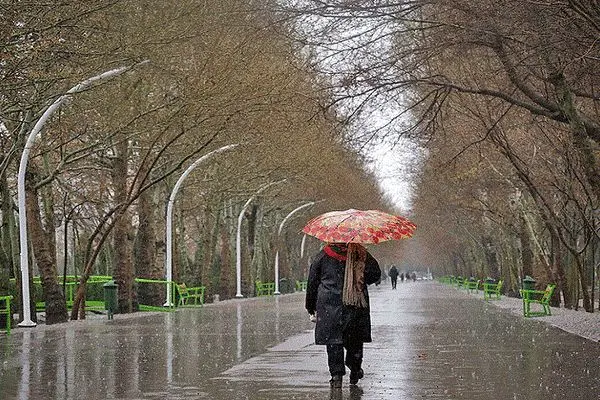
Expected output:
(558, 272)
(122, 262)
(43, 245)
(7, 218)
(224, 251)
(526, 250)
(585, 293)
(144, 253)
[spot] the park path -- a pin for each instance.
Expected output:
(430, 342)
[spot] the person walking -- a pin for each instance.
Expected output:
(337, 295)
(394, 276)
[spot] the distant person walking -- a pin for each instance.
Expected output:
(394, 276)
(337, 295)
(402, 277)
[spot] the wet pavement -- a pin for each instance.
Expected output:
(430, 342)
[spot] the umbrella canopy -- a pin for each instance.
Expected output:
(358, 226)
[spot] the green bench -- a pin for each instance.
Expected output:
(71, 290)
(459, 282)
(265, 288)
(301, 286)
(186, 294)
(5, 310)
(492, 291)
(471, 286)
(541, 297)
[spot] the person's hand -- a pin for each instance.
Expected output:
(312, 317)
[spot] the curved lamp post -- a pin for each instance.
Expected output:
(302, 246)
(238, 244)
(295, 210)
(169, 228)
(80, 87)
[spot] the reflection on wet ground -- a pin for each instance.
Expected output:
(429, 343)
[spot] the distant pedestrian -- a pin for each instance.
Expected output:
(414, 277)
(337, 294)
(402, 277)
(394, 276)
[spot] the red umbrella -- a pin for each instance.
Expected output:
(357, 226)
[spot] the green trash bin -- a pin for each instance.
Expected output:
(528, 283)
(285, 286)
(110, 298)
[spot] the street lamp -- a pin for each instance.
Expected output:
(169, 228)
(302, 246)
(238, 245)
(80, 87)
(310, 203)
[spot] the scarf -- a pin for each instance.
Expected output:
(355, 256)
(337, 251)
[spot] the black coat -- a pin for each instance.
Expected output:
(324, 295)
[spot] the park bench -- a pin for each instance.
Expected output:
(5, 310)
(193, 293)
(265, 288)
(94, 297)
(301, 286)
(471, 286)
(492, 291)
(541, 297)
(459, 282)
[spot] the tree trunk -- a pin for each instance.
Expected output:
(587, 304)
(526, 250)
(491, 257)
(558, 273)
(10, 243)
(251, 218)
(212, 257)
(144, 253)
(7, 217)
(224, 251)
(44, 249)
(180, 254)
(122, 262)
(202, 258)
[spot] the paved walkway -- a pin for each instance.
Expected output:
(430, 342)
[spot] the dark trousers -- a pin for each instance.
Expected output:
(354, 356)
(394, 281)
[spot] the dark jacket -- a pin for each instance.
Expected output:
(394, 272)
(324, 295)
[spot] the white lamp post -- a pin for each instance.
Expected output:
(238, 244)
(310, 203)
(27, 322)
(169, 228)
(302, 246)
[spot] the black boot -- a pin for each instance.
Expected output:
(356, 375)
(336, 381)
